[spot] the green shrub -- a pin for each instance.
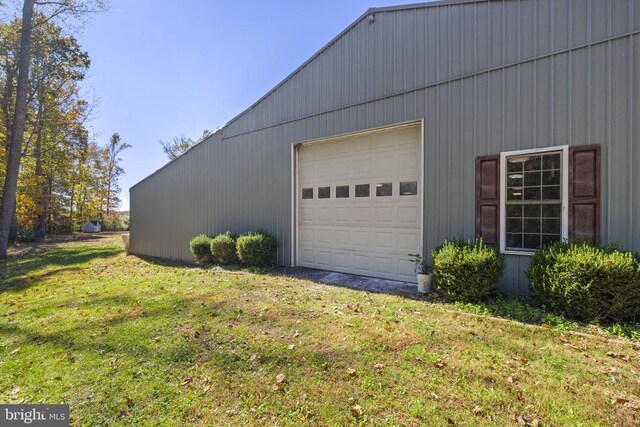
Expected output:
(587, 282)
(257, 248)
(201, 249)
(467, 271)
(223, 249)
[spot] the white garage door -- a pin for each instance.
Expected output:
(359, 203)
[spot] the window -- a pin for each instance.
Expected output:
(534, 194)
(384, 189)
(342, 191)
(307, 193)
(409, 188)
(362, 190)
(324, 192)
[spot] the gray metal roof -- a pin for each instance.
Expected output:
(372, 10)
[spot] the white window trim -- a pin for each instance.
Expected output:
(564, 226)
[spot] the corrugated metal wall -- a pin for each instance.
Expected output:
(486, 77)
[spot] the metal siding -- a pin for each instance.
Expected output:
(470, 71)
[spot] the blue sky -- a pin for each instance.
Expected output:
(172, 67)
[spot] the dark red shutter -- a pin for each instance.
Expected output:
(584, 193)
(488, 199)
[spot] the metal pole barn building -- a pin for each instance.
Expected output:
(515, 120)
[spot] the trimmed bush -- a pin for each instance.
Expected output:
(587, 282)
(257, 248)
(201, 249)
(223, 249)
(467, 271)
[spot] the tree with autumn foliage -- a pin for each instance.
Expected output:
(63, 178)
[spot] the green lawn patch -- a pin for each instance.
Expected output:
(127, 341)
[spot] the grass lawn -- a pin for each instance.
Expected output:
(126, 341)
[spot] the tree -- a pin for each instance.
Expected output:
(176, 146)
(47, 10)
(179, 145)
(113, 171)
(8, 204)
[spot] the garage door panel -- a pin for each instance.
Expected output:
(408, 241)
(406, 267)
(361, 238)
(383, 214)
(324, 236)
(361, 235)
(409, 214)
(384, 239)
(361, 214)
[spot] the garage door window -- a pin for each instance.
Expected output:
(362, 190)
(324, 192)
(409, 188)
(342, 191)
(384, 189)
(307, 193)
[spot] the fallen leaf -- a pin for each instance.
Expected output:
(378, 367)
(439, 364)
(478, 411)
(186, 381)
(520, 419)
(280, 378)
(621, 400)
(511, 379)
(351, 371)
(356, 410)
(292, 346)
(130, 402)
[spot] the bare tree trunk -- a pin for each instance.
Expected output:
(13, 228)
(41, 221)
(17, 131)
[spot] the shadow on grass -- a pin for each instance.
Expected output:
(19, 274)
(161, 262)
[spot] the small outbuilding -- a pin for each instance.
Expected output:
(91, 227)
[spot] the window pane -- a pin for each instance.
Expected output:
(551, 193)
(342, 191)
(531, 241)
(551, 226)
(514, 180)
(307, 193)
(514, 193)
(514, 241)
(532, 193)
(551, 211)
(362, 190)
(514, 225)
(384, 189)
(514, 164)
(532, 163)
(532, 225)
(324, 192)
(532, 211)
(532, 178)
(551, 178)
(551, 161)
(514, 211)
(409, 188)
